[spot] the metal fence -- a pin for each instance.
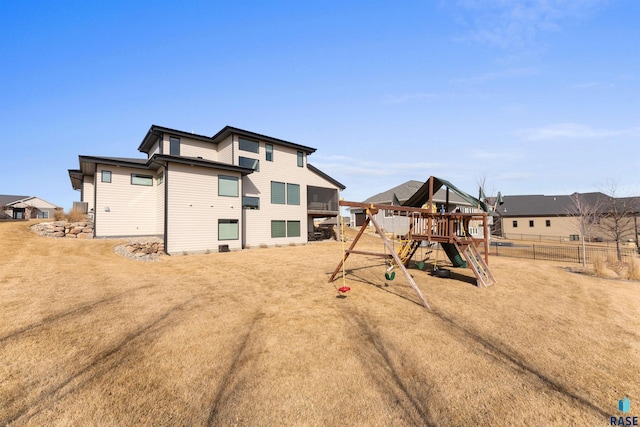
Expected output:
(558, 253)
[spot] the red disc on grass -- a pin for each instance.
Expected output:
(344, 289)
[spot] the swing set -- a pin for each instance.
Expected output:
(448, 229)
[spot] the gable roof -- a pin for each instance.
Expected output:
(402, 192)
(6, 199)
(456, 195)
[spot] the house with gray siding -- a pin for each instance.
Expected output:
(233, 190)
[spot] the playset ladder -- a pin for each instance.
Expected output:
(477, 264)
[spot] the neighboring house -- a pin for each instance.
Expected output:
(25, 207)
(399, 225)
(538, 215)
(233, 190)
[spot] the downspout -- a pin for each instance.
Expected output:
(95, 203)
(166, 208)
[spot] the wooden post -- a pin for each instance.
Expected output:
(353, 244)
(399, 264)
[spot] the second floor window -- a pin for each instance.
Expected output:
(269, 152)
(246, 162)
(106, 176)
(300, 159)
(137, 179)
(248, 145)
(174, 146)
(278, 193)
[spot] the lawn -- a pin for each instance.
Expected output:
(259, 337)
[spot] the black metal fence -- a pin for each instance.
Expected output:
(558, 253)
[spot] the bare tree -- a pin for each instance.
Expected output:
(587, 214)
(617, 221)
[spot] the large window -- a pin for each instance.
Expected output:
(300, 159)
(228, 229)
(278, 229)
(174, 146)
(246, 162)
(248, 145)
(137, 179)
(105, 176)
(285, 228)
(227, 186)
(278, 193)
(250, 202)
(293, 194)
(269, 152)
(293, 228)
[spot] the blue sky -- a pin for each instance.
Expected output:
(536, 97)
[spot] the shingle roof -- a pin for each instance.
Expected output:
(404, 192)
(541, 205)
(6, 199)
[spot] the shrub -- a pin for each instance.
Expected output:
(76, 215)
(633, 269)
(599, 266)
(59, 215)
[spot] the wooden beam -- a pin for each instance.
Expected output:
(369, 253)
(345, 255)
(399, 264)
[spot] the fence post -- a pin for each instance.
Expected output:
(534, 251)
(579, 259)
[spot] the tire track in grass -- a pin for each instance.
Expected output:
(103, 362)
(376, 356)
(225, 388)
(75, 311)
(504, 355)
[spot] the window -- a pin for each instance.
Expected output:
(293, 228)
(300, 159)
(269, 151)
(137, 179)
(277, 193)
(293, 194)
(548, 223)
(228, 229)
(174, 146)
(44, 214)
(249, 202)
(530, 223)
(105, 176)
(227, 186)
(246, 162)
(248, 145)
(388, 213)
(515, 224)
(278, 229)
(160, 178)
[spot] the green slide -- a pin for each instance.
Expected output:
(452, 252)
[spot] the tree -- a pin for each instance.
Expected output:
(587, 214)
(617, 221)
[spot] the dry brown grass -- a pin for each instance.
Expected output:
(633, 269)
(260, 338)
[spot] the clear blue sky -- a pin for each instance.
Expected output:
(538, 97)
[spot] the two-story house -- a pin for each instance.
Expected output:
(234, 190)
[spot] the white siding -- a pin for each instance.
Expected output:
(155, 148)
(160, 191)
(192, 148)
(194, 208)
(131, 208)
(283, 168)
(87, 191)
(226, 149)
